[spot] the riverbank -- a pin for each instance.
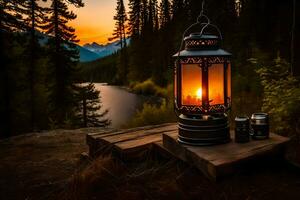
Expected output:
(120, 103)
(125, 104)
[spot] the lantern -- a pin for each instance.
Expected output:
(202, 88)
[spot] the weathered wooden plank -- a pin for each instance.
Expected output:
(232, 151)
(90, 137)
(141, 142)
(163, 151)
(124, 131)
(218, 160)
(100, 140)
(132, 135)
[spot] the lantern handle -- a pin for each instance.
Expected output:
(203, 16)
(214, 26)
(186, 30)
(201, 32)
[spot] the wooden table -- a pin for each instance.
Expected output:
(213, 161)
(219, 160)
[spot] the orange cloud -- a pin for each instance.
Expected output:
(94, 22)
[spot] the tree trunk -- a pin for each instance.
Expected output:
(32, 67)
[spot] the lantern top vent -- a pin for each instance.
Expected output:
(198, 41)
(201, 45)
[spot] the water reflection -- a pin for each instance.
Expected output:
(122, 104)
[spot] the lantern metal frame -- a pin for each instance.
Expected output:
(203, 124)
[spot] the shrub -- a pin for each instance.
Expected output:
(148, 87)
(153, 114)
(281, 96)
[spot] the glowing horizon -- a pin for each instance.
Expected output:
(94, 22)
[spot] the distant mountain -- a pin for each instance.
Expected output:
(87, 55)
(89, 52)
(104, 50)
(93, 46)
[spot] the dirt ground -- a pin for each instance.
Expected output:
(38, 165)
(45, 165)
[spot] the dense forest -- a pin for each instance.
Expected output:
(261, 35)
(40, 84)
(249, 27)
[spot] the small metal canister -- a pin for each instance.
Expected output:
(260, 126)
(242, 129)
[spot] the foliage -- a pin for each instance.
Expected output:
(148, 87)
(63, 59)
(34, 19)
(281, 96)
(155, 114)
(120, 33)
(103, 70)
(89, 105)
(10, 21)
(38, 79)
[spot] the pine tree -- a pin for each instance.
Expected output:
(178, 25)
(10, 22)
(135, 31)
(134, 18)
(11, 16)
(120, 33)
(144, 15)
(63, 59)
(151, 11)
(153, 21)
(164, 43)
(177, 7)
(120, 18)
(165, 14)
(35, 17)
(155, 15)
(89, 106)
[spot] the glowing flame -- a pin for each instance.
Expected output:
(199, 93)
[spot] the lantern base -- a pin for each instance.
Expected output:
(203, 130)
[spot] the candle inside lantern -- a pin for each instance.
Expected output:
(199, 93)
(192, 90)
(192, 85)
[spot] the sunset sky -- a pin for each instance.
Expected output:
(94, 21)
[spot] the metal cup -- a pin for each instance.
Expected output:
(260, 126)
(241, 129)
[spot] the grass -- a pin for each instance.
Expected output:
(154, 177)
(110, 178)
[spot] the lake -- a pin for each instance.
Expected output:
(122, 105)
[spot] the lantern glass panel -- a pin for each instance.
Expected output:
(216, 84)
(229, 81)
(191, 84)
